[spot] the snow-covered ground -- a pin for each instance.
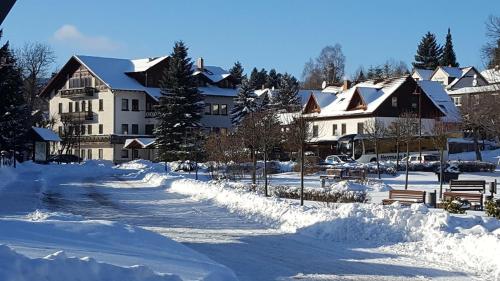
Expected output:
(136, 220)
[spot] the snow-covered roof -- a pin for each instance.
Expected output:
(332, 89)
(453, 71)
(217, 91)
(492, 75)
(143, 142)
(435, 91)
(424, 74)
(475, 90)
(214, 73)
(144, 64)
(46, 134)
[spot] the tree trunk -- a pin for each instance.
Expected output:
(302, 166)
(254, 170)
(265, 172)
(378, 161)
(407, 162)
(397, 154)
(441, 173)
(476, 146)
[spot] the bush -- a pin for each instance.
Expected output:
(456, 205)
(475, 166)
(492, 208)
(329, 196)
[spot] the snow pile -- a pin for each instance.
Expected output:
(57, 266)
(488, 156)
(286, 166)
(472, 241)
(369, 185)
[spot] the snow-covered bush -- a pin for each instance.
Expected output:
(492, 208)
(322, 195)
(475, 166)
(456, 205)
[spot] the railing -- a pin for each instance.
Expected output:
(151, 114)
(78, 116)
(78, 92)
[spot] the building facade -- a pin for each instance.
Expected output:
(98, 103)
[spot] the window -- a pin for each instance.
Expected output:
(135, 129)
(135, 153)
(60, 130)
(315, 130)
(100, 153)
(82, 153)
(89, 129)
(208, 108)
(70, 107)
(124, 153)
(83, 105)
(476, 99)
(394, 101)
(80, 82)
(101, 129)
(149, 129)
(360, 128)
(135, 105)
(77, 107)
(149, 106)
(125, 129)
(60, 108)
(89, 108)
(124, 104)
(457, 101)
(82, 129)
(215, 109)
(89, 154)
(101, 105)
(335, 130)
(344, 128)
(223, 109)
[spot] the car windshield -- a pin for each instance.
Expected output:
(344, 158)
(431, 158)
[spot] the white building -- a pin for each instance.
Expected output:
(337, 116)
(111, 100)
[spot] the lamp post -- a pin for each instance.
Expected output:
(418, 92)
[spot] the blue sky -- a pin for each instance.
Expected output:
(269, 34)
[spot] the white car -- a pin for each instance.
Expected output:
(338, 159)
(426, 158)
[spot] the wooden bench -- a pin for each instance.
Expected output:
(471, 197)
(405, 197)
(467, 185)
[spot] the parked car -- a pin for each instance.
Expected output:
(426, 158)
(338, 159)
(64, 158)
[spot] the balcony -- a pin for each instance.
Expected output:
(77, 116)
(78, 93)
(151, 114)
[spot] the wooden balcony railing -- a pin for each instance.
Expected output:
(78, 116)
(84, 92)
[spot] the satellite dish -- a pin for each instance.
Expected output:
(323, 85)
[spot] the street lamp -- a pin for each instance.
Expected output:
(418, 92)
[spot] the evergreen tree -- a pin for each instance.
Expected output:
(258, 78)
(287, 98)
(14, 113)
(180, 107)
(237, 72)
(244, 103)
(428, 53)
(273, 79)
(448, 58)
(265, 102)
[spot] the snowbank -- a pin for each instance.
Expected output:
(488, 156)
(471, 241)
(59, 267)
(370, 185)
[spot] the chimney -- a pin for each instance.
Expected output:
(199, 63)
(346, 85)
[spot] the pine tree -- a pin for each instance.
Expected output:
(428, 53)
(273, 79)
(287, 98)
(180, 107)
(244, 103)
(265, 102)
(258, 78)
(237, 72)
(448, 58)
(14, 114)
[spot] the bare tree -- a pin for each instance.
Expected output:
(297, 134)
(328, 66)
(408, 123)
(35, 60)
(271, 137)
(491, 50)
(439, 135)
(375, 130)
(394, 131)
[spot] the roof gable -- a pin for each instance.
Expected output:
(312, 105)
(357, 101)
